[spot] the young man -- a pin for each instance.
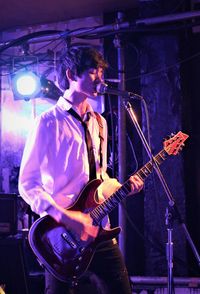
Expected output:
(55, 165)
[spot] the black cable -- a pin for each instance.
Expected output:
(156, 245)
(25, 38)
(23, 66)
(113, 137)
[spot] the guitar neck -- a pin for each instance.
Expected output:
(109, 204)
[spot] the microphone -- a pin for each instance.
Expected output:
(103, 88)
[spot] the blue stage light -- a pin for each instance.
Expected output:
(26, 85)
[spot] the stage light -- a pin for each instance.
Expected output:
(26, 85)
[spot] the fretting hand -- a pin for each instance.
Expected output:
(136, 184)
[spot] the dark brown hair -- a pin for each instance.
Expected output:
(78, 59)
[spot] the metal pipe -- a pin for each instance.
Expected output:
(121, 134)
(192, 281)
(168, 18)
(115, 27)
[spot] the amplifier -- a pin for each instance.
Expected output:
(13, 272)
(8, 214)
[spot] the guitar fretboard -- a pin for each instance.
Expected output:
(109, 204)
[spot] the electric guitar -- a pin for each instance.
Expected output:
(59, 250)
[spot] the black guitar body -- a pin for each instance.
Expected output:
(58, 249)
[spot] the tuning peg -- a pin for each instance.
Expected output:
(166, 138)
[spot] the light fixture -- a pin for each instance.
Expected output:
(25, 85)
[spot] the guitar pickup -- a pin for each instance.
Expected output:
(69, 240)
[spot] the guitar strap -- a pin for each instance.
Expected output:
(99, 120)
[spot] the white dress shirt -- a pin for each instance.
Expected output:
(55, 165)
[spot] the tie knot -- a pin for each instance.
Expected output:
(91, 158)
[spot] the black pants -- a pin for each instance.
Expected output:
(107, 275)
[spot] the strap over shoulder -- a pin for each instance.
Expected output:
(100, 123)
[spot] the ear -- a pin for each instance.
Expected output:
(70, 76)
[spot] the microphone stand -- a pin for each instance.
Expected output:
(171, 212)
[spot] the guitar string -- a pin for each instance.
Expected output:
(100, 211)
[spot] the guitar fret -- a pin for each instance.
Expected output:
(163, 155)
(94, 216)
(113, 200)
(76, 255)
(123, 192)
(95, 213)
(117, 196)
(100, 209)
(146, 171)
(141, 174)
(128, 186)
(149, 166)
(104, 208)
(157, 160)
(102, 212)
(126, 189)
(108, 205)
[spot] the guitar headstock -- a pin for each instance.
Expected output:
(175, 144)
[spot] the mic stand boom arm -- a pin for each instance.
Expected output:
(173, 210)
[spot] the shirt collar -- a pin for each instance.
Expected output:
(65, 106)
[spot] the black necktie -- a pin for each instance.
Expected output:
(88, 140)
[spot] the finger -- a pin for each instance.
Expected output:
(136, 179)
(137, 186)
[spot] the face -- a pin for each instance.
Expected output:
(87, 82)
